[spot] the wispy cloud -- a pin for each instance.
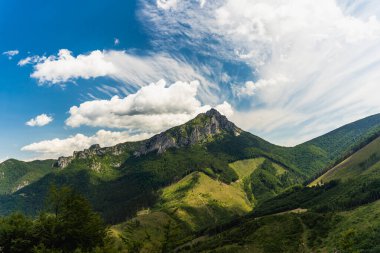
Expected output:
(11, 53)
(327, 51)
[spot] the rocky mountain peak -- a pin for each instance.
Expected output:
(199, 130)
(202, 129)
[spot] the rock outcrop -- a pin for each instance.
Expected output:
(199, 130)
(94, 150)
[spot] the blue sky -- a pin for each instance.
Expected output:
(40, 27)
(75, 73)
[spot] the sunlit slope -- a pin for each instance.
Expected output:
(244, 168)
(201, 201)
(363, 162)
(195, 202)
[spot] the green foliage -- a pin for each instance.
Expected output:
(357, 230)
(77, 225)
(268, 234)
(266, 182)
(70, 226)
(317, 227)
(347, 241)
(16, 234)
(332, 196)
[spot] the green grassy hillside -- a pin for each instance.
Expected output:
(194, 203)
(351, 231)
(326, 151)
(201, 201)
(15, 174)
(244, 168)
(363, 162)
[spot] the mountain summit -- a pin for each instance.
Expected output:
(201, 129)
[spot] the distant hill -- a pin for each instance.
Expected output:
(14, 174)
(352, 182)
(363, 162)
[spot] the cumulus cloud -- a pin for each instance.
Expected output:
(250, 88)
(11, 53)
(153, 108)
(318, 59)
(40, 120)
(65, 147)
(116, 41)
(65, 67)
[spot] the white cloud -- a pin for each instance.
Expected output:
(251, 88)
(25, 61)
(116, 41)
(153, 108)
(65, 67)
(65, 147)
(328, 51)
(11, 53)
(166, 4)
(202, 3)
(40, 120)
(225, 109)
(31, 60)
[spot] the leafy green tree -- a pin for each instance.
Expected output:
(71, 223)
(16, 234)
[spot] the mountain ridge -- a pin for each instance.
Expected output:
(203, 126)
